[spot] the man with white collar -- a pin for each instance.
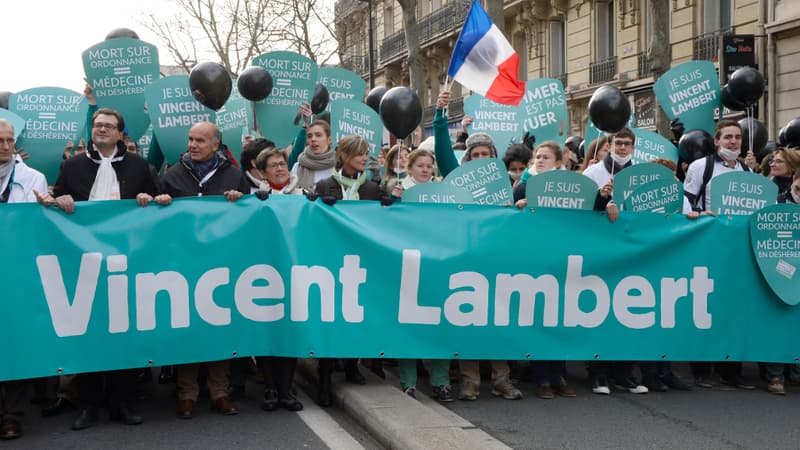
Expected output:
(18, 184)
(107, 171)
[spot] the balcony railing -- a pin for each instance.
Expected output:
(454, 110)
(602, 70)
(447, 18)
(356, 63)
(706, 46)
(645, 65)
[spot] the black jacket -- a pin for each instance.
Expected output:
(329, 187)
(77, 174)
(180, 181)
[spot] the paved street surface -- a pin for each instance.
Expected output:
(700, 419)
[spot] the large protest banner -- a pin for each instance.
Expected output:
(119, 70)
(53, 116)
(115, 285)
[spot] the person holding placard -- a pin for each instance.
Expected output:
(350, 181)
(107, 171)
(203, 170)
(547, 157)
(18, 184)
(478, 145)
(619, 158)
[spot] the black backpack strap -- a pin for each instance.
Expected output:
(708, 172)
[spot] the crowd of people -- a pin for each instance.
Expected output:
(108, 167)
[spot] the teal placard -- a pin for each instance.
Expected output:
(741, 193)
(502, 122)
(234, 116)
(119, 71)
(145, 141)
(16, 121)
(173, 110)
(117, 286)
(436, 193)
(342, 84)
(486, 179)
(775, 239)
(650, 145)
(544, 110)
(630, 179)
(53, 116)
(691, 92)
(561, 189)
(293, 79)
(659, 196)
(351, 117)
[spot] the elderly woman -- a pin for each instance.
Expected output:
(274, 165)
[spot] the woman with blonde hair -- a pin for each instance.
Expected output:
(395, 167)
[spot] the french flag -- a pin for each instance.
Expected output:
(483, 60)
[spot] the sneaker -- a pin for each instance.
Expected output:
(443, 393)
(600, 385)
(564, 390)
(738, 382)
(703, 382)
(505, 389)
(410, 391)
(654, 383)
(776, 387)
(545, 392)
(628, 384)
(469, 391)
(673, 382)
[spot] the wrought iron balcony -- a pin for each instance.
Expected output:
(706, 46)
(602, 70)
(393, 45)
(645, 65)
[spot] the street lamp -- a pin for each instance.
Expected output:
(371, 45)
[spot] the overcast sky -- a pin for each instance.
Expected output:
(42, 40)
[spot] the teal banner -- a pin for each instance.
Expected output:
(235, 119)
(690, 92)
(561, 189)
(660, 196)
(436, 193)
(351, 117)
(544, 110)
(650, 145)
(741, 193)
(502, 122)
(119, 71)
(293, 79)
(173, 110)
(775, 236)
(16, 121)
(637, 175)
(342, 84)
(486, 179)
(53, 116)
(115, 285)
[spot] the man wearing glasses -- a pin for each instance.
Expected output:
(107, 171)
(18, 184)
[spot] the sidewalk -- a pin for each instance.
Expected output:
(396, 420)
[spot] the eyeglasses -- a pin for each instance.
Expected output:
(107, 126)
(623, 143)
(8, 141)
(277, 165)
(777, 161)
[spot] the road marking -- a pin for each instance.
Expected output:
(324, 426)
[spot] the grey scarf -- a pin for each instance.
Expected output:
(309, 162)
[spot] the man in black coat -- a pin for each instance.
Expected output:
(204, 170)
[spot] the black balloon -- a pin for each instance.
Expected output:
(401, 111)
(746, 85)
(759, 131)
(210, 84)
(254, 83)
(782, 137)
(695, 144)
(792, 133)
(374, 97)
(320, 100)
(574, 144)
(4, 96)
(122, 33)
(729, 101)
(609, 109)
